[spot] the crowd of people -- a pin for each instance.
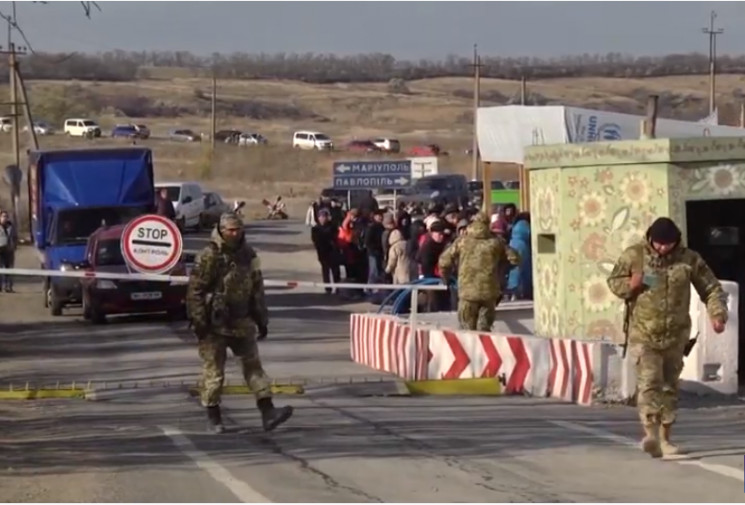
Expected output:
(375, 245)
(8, 244)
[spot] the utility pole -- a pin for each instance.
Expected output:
(712, 33)
(523, 91)
(476, 101)
(213, 125)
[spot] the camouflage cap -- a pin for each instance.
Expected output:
(230, 220)
(482, 217)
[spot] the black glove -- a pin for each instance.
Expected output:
(263, 331)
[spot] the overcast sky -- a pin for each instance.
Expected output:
(404, 29)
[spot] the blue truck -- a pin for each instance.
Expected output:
(71, 194)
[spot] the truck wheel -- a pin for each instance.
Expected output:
(45, 292)
(181, 224)
(55, 304)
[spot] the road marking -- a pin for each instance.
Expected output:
(241, 490)
(726, 471)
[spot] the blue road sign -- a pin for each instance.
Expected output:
(372, 174)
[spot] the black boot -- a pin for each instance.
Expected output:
(215, 419)
(271, 417)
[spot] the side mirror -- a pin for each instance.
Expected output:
(187, 199)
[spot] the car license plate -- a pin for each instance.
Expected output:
(153, 295)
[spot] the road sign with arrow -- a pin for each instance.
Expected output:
(394, 174)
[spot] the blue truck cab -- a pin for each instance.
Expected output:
(71, 193)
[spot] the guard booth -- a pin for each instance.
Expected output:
(590, 201)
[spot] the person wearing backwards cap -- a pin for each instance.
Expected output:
(653, 277)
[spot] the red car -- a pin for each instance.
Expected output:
(362, 146)
(103, 297)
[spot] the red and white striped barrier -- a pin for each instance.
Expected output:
(570, 377)
(526, 364)
(519, 360)
(384, 344)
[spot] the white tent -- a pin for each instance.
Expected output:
(504, 131)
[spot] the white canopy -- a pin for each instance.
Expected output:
(504, 131)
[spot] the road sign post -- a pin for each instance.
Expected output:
(152, 244)
(350, 175)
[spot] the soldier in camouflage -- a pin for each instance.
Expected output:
(478, 256)
(654, 278)
(226, 305)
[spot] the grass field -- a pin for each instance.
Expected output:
(433, 111)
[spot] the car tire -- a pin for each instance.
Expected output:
(55, 304)
(97, 315)
(181, 224)
(177, 314)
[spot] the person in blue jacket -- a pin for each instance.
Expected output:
(520, 278)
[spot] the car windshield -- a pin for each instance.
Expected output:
(321, 136)
(74, 226)
(173, 192)
(109, 253)
(89, 123)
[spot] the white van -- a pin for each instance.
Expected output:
(82, 128)
(188, 201)
(312, 140)
(6, 124)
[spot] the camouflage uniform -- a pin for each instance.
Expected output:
(659, 326)
(479, 257)
(226, 305)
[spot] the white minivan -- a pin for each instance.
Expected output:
(82, 128)
(312, 140)
(188, 201)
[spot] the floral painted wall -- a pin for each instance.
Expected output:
(703, 181)
(545, 219)
(595, 212)
(601, 201)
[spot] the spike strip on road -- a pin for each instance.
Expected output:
(28, 272)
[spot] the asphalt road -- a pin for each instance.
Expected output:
(148, 444)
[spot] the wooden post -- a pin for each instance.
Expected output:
(523, 91)
(26, 108)
(476, 103)
(486, 177)
(524, 180)
(650, 124)
(213, 126)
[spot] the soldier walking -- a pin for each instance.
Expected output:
(226, 306)
(654, 278)
(478, 256)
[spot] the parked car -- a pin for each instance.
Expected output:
(214, 207)
(41, 128)
(228, 136)
(103, 297)
(188, 201)
(444, 188)
(426, 150)
(388, 145)
(312, 140)
(6, 124)
(143, 130)
(184, 135)
(362, 146)
(251, 139)
(82, 128)
(127, 131)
